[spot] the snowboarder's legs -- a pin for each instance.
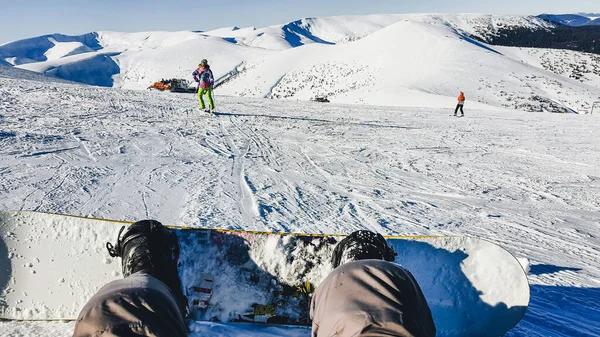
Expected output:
(208, 92)
(138, 305)
(149, 300)
(369, 296)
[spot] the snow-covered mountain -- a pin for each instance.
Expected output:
(408, 62)
(396, 60)
(573, 20)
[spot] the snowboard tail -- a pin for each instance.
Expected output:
(50, 265)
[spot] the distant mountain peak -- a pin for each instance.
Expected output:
(572, 20)
(589, 14)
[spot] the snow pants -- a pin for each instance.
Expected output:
(370, 298)
(208, 92)
(138, 305)
(461, 109)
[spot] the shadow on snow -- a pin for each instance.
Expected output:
(97, 70)
(5, 272)
(556, 311)
(541, 269)
(455, 303)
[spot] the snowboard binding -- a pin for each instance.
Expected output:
(362, 245)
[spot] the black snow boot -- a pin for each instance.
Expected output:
(362, 245)
(150, 247)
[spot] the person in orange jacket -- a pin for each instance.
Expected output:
(461, 103)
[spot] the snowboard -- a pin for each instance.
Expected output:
(50, 265)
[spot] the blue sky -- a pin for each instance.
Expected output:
(29, 18)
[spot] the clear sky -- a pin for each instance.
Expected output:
(21, 19)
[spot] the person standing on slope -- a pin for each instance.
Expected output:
(461, 103)
(369, 295)
(204, 76)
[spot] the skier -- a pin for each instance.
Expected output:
(204, 76)
(461, 103)
(366, 295)
(149, 300)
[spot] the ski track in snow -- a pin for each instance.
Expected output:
(248, 206)
(527, 181)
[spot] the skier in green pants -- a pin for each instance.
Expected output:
(204, 76)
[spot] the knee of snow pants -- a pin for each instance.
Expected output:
(370, 298)
(138, 305)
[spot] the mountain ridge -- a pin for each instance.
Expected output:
(573, 20)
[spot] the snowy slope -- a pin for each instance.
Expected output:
(12, 73)
(526, 181)
(583, 67)
(407, 63)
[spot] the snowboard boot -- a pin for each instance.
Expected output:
(148, 246)
(362, 245)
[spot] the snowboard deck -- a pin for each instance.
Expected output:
(50, 265)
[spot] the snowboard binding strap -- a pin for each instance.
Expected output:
(117, 250)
